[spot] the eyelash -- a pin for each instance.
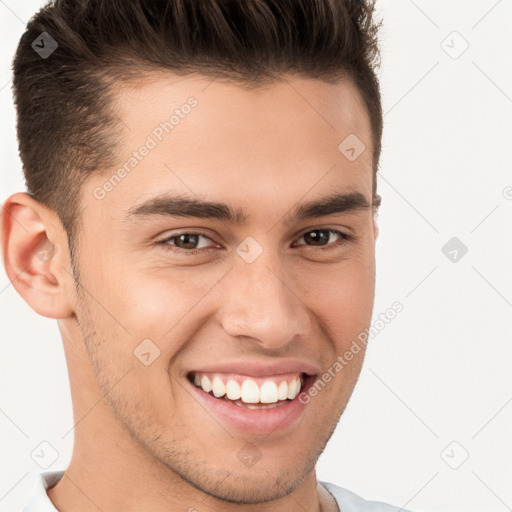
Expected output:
(345, 238)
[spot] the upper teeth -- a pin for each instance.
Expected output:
(269, 391)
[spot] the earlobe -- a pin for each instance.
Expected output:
(31, 242)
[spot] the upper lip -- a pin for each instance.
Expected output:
(258, 369)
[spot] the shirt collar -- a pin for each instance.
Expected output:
(40, 502)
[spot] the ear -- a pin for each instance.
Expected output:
(35, 254)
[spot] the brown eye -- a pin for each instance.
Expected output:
(317, 237)
(321, 237)
(186, 242)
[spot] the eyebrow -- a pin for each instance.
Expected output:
(183, 206)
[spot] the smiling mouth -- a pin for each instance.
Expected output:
(250, 392)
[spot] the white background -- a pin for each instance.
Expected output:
(440, 371)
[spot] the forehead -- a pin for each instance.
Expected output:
(240, 109)
(214, 138)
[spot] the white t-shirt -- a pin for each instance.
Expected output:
(347, 501)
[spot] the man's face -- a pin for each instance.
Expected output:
(251, 304)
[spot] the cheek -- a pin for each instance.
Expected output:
(154, 301)
(130, 370)
(341, 295)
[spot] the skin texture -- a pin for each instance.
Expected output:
(142, 442)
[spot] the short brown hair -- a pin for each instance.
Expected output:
(66, 128)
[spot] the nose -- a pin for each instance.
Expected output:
(263, 304)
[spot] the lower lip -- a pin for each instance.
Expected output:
(254, 421)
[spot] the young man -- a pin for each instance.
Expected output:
(201, 222)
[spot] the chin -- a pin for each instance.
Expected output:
(251, 487)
